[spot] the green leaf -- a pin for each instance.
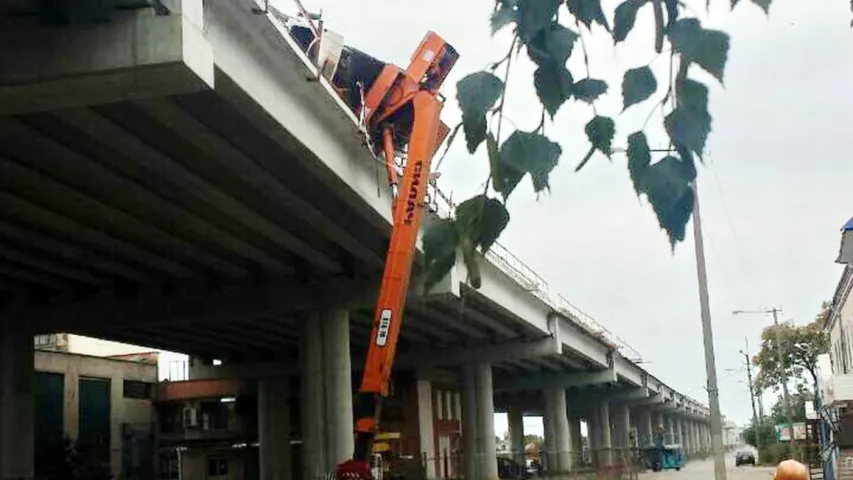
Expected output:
(477, 94)
(600, 131)
(440, 240)
(589, 89)
(639, 158)
(707, 48)
(504, 176)
(638, 84)
(553, 86)
(690, 123)
(624, 18)
(559, 43)
(505, 15)
(535, 16)
(671, 196)
(552, 46)
(481, 220)
(495, 164)
(764, 5)
(587, 12)
(529, 152)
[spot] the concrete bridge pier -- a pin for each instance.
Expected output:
(17, 435)
(325, 392)
(515, 419)
(621, 420)
(274, 429)
(557, 436)
(644, 426)
(604, 445)
(478, 425)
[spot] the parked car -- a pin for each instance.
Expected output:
(744, 458)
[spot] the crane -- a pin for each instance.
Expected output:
(404, 108)
(401, 112)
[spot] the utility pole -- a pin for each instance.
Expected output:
(708, 337)
(780, 358)
(752, 397)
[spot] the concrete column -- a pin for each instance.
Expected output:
(17, 418)
(593, 433)
(694, 439)
(621, 425)
(275, 453)
(560, 447)
(679, 431)
(575, 439)
(486, 423)
(605, 446)
(469, 423)
(337, 371)
(312, 399)
(426, 427)
(644, 427)
(515, 419)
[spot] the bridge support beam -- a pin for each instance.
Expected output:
(17, 435)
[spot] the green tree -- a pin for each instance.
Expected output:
(551, 32)
(766, 432)
(800, 346)
(798, 398)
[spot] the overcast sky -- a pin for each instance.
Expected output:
(775, 189)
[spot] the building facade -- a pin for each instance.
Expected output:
(101, 406)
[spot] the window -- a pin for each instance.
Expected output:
(45, 340)
(135, 389)
(217, 467)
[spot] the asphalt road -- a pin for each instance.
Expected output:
(704, 470)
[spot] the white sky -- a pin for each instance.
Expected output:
(772, 191)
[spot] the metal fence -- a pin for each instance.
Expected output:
(511, 265)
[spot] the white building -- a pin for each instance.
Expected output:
(837, 389)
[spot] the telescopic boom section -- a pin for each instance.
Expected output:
(403, 110)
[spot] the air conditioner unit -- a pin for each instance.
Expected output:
(190, 417)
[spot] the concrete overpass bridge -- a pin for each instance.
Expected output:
(180, 177)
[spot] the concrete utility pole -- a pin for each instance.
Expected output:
(780, 357)
(708, 337)
(752, 396)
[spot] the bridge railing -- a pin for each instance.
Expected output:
(534, 283)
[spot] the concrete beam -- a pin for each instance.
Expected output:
(627, 370)
(137, 55)
(514, 350)
(556, 380)
(155, 306)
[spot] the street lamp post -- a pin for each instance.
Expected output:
(780, 357)
(707, 335)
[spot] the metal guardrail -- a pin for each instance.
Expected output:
(534, 283)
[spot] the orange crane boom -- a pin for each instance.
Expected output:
(401, 110)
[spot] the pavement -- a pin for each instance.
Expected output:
(704, 470)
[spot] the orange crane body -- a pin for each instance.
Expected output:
(401, 110)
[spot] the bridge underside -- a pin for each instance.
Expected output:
(178, 213)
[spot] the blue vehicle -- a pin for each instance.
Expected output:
(663, 456)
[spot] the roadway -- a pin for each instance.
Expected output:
(704, 470)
